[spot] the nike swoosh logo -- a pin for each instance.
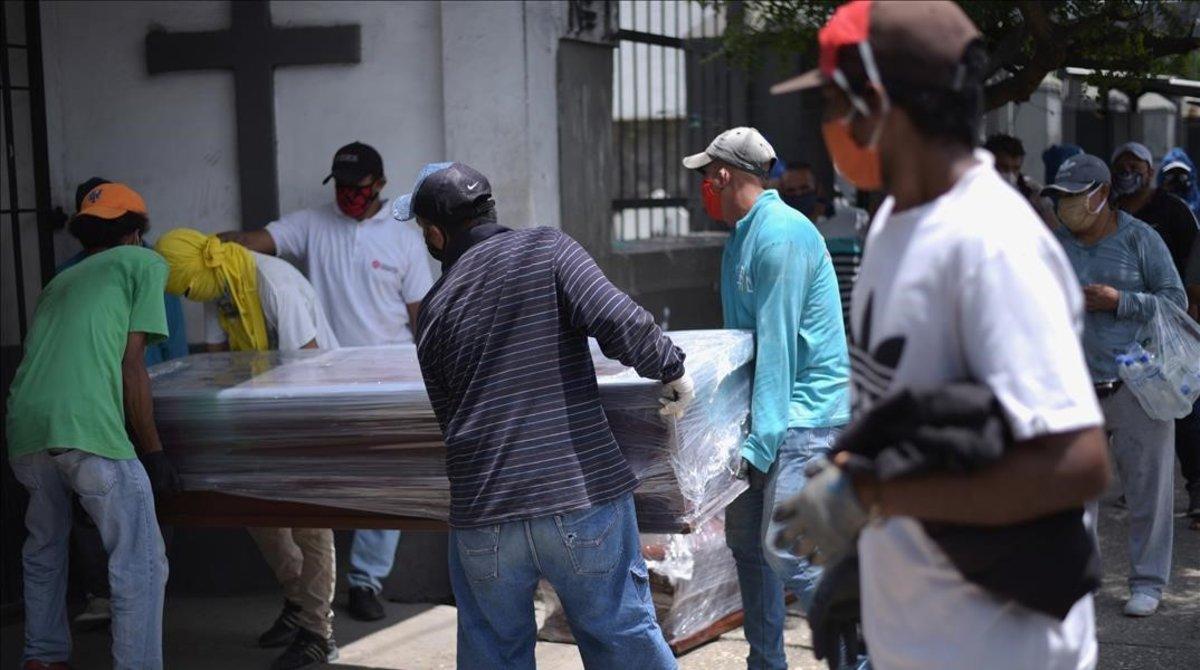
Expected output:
(471, 187)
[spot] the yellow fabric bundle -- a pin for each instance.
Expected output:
(203, 268)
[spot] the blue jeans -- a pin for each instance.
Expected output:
(764, 571)
(116, 494)
(591, 557)
(371, 556)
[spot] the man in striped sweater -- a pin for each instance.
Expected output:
(538, 486)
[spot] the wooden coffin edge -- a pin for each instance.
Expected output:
(212, 509)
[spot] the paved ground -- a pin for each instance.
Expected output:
(204, 633)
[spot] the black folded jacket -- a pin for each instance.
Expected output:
(1046, 564)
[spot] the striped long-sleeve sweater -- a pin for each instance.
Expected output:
(503, 344)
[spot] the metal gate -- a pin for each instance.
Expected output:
(671, 95)
(25, 201)
(27, 258)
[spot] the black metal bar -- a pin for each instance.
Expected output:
(649, 124)
(728, 78)
(634, 123)
(10, 155)
(619, 123)
(652, 203)
(694, 87)
(14, 45)
(681, 112)
(662, 89)
(41, 152)
(642, 37)
(17, 88)
(19, 210)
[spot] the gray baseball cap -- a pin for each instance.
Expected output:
(1077, 174)
(743, 148)
(1137, 149)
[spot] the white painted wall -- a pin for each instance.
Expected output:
(468, 81)
(392, 100)
(498, 88)
(171, 137)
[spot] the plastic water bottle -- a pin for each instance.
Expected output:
(1189, 385)
(1166, 401)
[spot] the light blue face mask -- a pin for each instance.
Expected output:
(1125, 183)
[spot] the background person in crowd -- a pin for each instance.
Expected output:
(85, 537)
(776, 279)
(1125, 270)
(1009, 154)
(370, 274)
(1187, 429)
(835, 218)
(256, 302)
(82, 379)
(1177, 176)
(1173, 219)
(538, 486)
(1134, 192)
(1054, 155)
(960, 281)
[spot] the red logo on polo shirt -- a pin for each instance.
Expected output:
(384, 266)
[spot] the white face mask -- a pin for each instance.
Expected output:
(1076, 214)
(1013, 178)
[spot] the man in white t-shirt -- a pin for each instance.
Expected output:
(254, 302)
(370, 273)
(960, 281)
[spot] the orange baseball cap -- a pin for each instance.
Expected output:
(109, 201)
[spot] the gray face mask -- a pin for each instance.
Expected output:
(1127, 182)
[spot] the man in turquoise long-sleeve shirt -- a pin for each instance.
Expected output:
(776, 279)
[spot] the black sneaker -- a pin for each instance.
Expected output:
(306, 649)
(283, 631)
(364, 604)
(1193, 508)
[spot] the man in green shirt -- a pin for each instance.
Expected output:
(82, 378)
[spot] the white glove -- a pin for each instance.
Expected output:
(823, 521)
(677, 395)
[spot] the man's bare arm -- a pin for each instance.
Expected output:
(254, 240)
(1193, 291)
(139, 406)
(1036, 478)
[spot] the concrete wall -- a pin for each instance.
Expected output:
(469, 81)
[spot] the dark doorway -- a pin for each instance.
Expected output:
(26, 232)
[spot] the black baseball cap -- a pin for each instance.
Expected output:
(353, 162)
(446, 193)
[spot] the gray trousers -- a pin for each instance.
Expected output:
(1143, 450)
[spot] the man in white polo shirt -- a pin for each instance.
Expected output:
(370, 274)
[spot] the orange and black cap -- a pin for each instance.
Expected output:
(913, 42)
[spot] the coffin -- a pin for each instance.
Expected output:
(693, 582)
(352, 429)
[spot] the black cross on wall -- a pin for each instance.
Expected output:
(252, 47)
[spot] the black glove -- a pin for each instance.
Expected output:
(835, 615)
(164, 479)
(743, 470)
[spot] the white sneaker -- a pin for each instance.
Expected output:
(1141, 604)
(98, 613)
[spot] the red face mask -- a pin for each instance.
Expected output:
(711, 199)
(355, 200)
